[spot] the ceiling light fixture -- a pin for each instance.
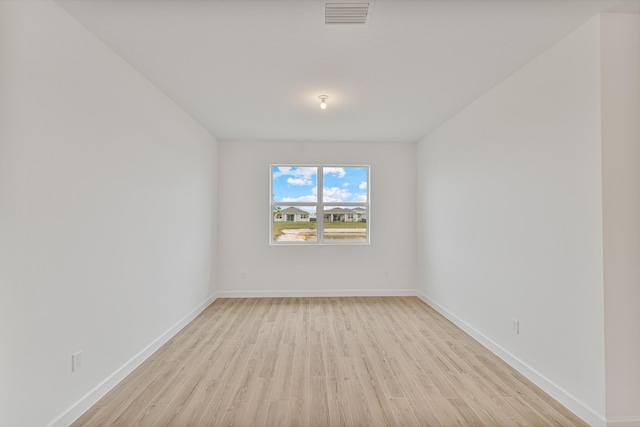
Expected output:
(323, 104)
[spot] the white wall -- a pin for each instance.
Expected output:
(510, 221)
(107, 213)
(621, 195)
(315, 270)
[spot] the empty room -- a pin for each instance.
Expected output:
(327, 213)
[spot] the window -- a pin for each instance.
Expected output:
(302, 194)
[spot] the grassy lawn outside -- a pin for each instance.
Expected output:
(345, 225)
(279, 226)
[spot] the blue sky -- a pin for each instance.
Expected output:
(299, 184)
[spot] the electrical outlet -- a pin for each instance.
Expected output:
(76, 361)
(516, 326)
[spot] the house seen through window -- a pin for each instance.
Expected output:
(301, 194)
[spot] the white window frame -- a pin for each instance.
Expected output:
(320, 206)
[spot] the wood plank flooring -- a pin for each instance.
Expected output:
(370, 361)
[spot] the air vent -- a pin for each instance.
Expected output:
(346, 13)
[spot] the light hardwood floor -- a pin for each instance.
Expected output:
(371, 361)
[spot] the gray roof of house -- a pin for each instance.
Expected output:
(294, 211)
(338, 210)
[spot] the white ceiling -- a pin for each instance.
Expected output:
(253, 70)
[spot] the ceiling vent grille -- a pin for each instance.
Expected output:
(346, 13)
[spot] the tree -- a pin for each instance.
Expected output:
(276, 209)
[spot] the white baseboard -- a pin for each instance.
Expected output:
(624, 422)
(80, 407)
(319, 293)
(562, 396)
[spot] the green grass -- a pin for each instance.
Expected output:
(279, 226)
(345, 225)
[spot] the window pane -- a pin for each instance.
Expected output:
(294, 184)
(294, 224)
(345, 184)
(345, 224)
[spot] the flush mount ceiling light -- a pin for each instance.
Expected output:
(323, 103)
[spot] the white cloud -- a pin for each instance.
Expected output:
(283, 170)
(335, 194)
(346, 184)
(298, 176)
(360, 198)
(362, 186)
(339, 172)
(298, 181)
